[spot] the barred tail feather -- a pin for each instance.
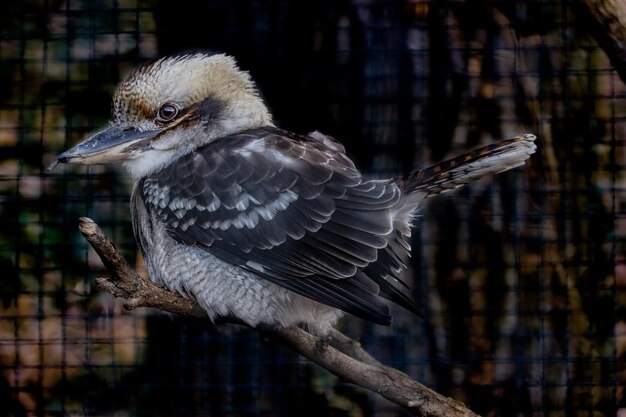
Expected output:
(469, 167)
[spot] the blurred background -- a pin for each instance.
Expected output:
(521, 278)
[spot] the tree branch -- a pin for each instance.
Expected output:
(606, 20)
(339, 354)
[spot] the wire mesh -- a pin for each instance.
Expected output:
(520, 278)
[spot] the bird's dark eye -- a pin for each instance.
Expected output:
(168, 112)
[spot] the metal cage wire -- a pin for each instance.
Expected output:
(521, 277)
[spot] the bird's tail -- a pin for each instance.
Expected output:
(471, 166)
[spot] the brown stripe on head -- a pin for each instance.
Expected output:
(131, 107)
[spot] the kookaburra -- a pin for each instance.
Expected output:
(254, 222)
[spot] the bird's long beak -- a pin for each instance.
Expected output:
(106, 146)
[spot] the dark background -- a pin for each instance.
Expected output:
(521, 278)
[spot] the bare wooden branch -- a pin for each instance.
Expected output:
(606, 20)
(338, 353)
(127, 284)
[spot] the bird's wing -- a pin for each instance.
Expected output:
(293, 210)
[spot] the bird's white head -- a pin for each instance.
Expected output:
(170, 107)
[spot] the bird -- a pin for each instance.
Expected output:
(257, 224)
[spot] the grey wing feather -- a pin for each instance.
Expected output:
(290, 209)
